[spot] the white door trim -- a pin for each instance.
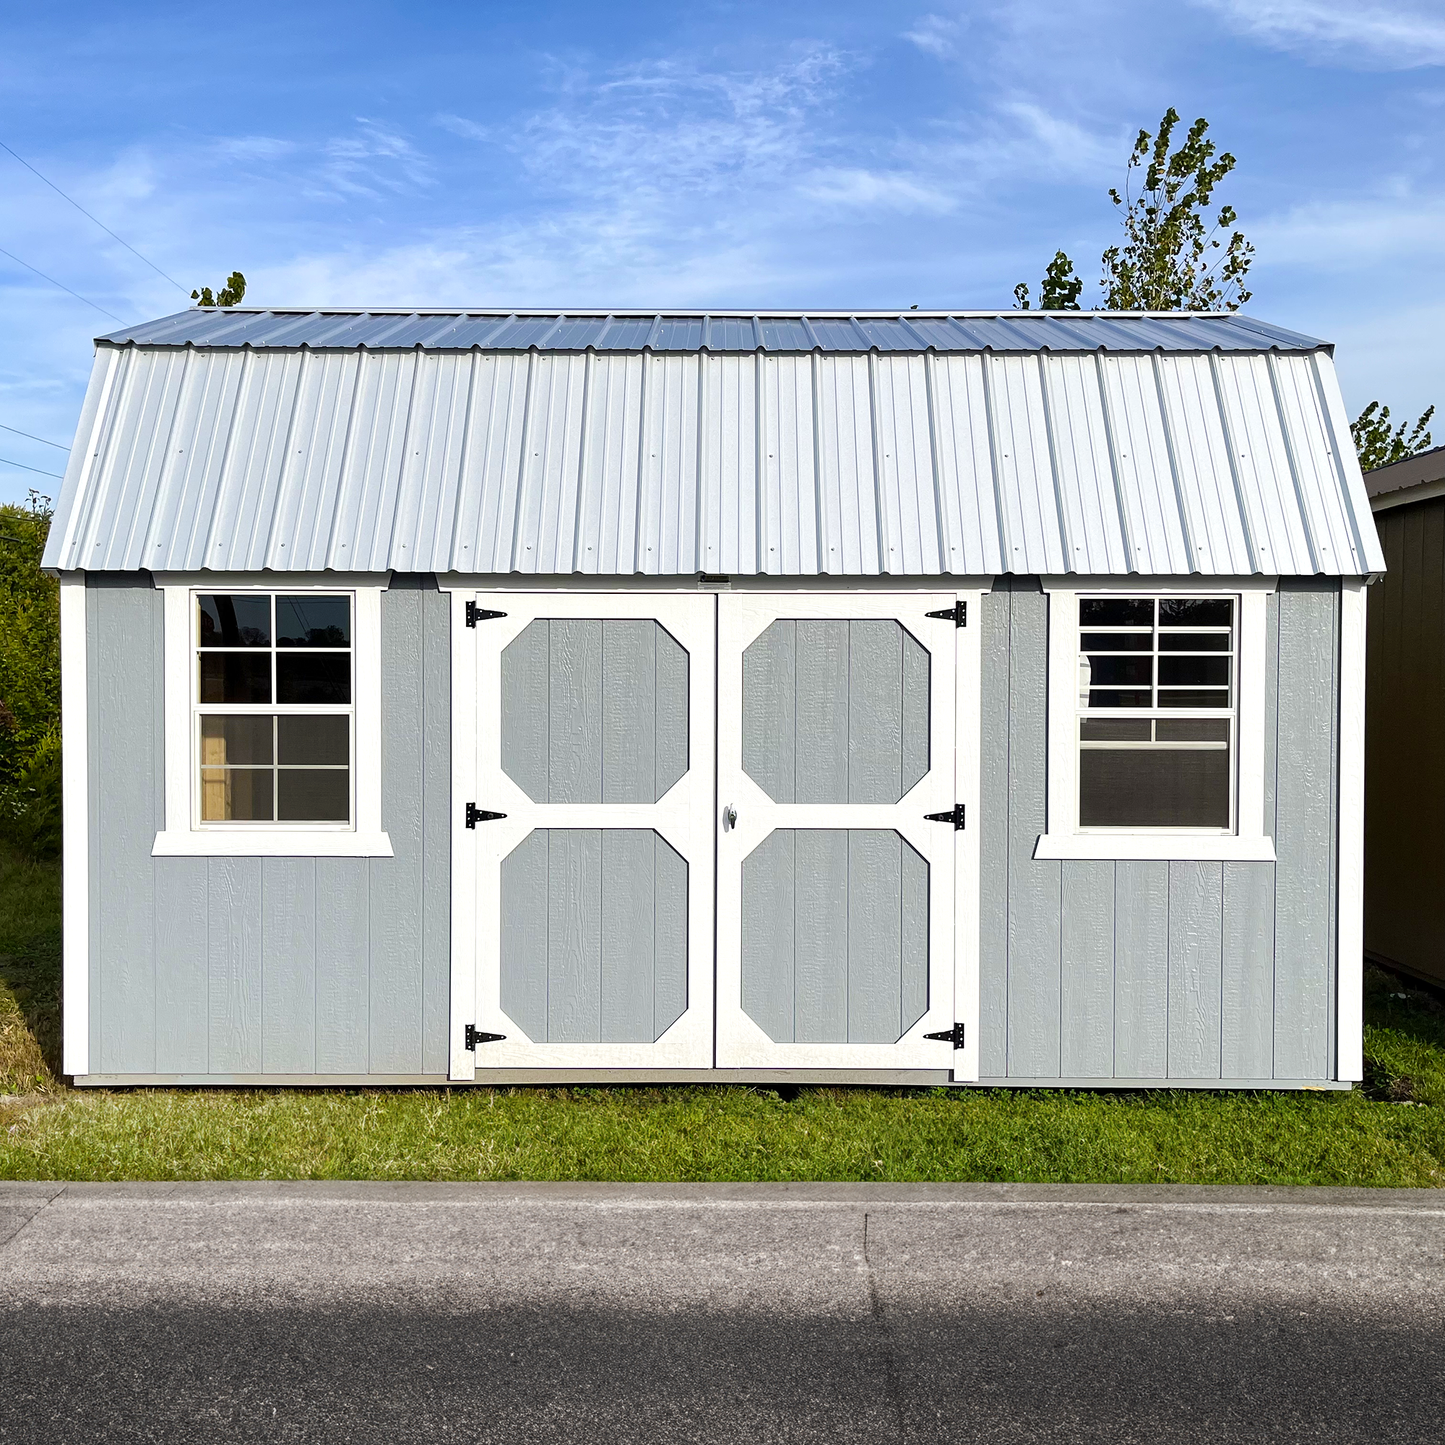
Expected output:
(683, 816)
(741, 1042)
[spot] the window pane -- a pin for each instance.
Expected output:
(1194, 697)
(1093, 730)
(1116, 611)
(1154, 788)
(322, 740)
(1194, 671)
(1192, 730)
(1196, 612)
(1117, 641)
(1120, 697)
(235, 677)
(314, 795)
(1119, 671)
(242, 795)
(313, 677)
(313, 622)
(1194, 641)
(235, 740)
(235, 621)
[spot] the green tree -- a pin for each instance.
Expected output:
(1378, 446)
(1174, 257)
(229, 295)
(29, 682)
(1058, 291)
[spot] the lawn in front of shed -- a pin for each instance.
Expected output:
(1390, 1132)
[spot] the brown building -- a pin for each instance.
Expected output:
(1405, 721)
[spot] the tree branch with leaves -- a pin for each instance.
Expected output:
(229, 295)
(1378, 446)
(1174, 256)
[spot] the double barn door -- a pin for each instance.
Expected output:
(692, 832)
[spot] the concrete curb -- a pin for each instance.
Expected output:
(810, 1192)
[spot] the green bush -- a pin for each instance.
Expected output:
(29, 683)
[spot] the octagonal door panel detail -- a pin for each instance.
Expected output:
(835, 893)
(585, 910)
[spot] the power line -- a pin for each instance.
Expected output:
(88, 216)
(41, 440)
(54, 282)
(57, 475)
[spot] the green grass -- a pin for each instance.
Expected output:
(1392, 1132)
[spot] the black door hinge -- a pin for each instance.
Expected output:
(477, 815)
(954, 816)
(959, 613)
(952, 1036)
(475, 1036)
(477, 614)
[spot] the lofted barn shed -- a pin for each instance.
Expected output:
(919, 698)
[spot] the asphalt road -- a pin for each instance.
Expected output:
(614, 1313)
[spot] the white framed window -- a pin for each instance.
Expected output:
(272, 719)
(1156, 721)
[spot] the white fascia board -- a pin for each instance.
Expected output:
(708, 582)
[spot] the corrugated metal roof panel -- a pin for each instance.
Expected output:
(665, 463)
(716, 331)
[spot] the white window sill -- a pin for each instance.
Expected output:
(1171, 847)
(270, 843)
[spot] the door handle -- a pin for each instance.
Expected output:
(730, 817)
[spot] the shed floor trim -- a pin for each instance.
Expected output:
(917, 1078)
(1012, 1083)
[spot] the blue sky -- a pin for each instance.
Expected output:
(726, 154)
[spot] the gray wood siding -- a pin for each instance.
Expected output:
(594, 935)
(1405, 743)
(275, 965)
(594, 710)
(835, 936)
(1183, 970)
(835, 711)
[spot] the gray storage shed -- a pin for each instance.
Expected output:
(1405, 722)
(857, 697)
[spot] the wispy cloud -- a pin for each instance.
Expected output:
(1395, 37)
(372, 160)
(936, 34)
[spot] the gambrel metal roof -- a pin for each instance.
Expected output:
(1110, 445)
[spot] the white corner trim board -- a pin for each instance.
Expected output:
(1064, 839)
(75, 776)
(1350, 1009)
(182, 836)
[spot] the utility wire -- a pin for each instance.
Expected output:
(54, 282)
(7, 462)
(88, 216)
(41, 440)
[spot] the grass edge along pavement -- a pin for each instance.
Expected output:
(1391, 1132)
